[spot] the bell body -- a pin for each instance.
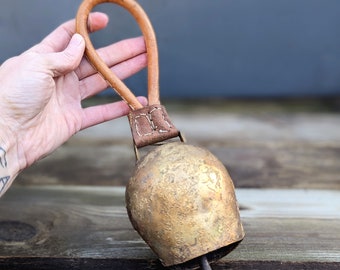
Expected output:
(182, 202)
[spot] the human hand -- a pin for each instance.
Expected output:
(41, 92)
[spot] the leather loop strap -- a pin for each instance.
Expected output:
(151, 44)
(149, 124)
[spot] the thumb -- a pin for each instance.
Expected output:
(68, 59)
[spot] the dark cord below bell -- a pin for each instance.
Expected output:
(204, 263)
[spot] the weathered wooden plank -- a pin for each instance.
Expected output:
(251, 164)
(262, 147)
(109, 264)
(87, 228)
(289, 203)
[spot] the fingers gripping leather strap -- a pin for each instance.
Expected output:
(150, 125)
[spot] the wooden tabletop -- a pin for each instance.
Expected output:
(68, 210)
(88, 228)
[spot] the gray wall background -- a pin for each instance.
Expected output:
(220, 48)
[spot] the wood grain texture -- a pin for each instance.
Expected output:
(263, 145)
(88, 228)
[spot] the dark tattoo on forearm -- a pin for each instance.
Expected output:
(3, 183)
(4, 179)
(3, 161)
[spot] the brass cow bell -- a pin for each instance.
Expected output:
(180, 198)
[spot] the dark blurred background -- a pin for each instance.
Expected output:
(220, 48)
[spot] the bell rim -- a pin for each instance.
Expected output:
(212, 256)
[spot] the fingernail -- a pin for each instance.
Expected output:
(76, 40)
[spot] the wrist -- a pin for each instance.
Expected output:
(9, 161)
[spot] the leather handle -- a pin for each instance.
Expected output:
(151, 47)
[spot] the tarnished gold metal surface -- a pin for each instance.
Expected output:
(182, 202)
